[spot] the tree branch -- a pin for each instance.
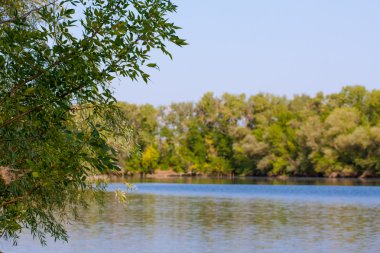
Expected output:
(18, 198)
(19, 116)
(25, 15)
(21, 84)
(40, 73)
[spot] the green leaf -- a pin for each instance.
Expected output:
(69, 12)
(152, 65)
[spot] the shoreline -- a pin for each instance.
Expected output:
(171, 174)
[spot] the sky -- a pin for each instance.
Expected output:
(283, 47)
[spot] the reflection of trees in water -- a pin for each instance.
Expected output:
(210, 219)
(258, 181)
(138, 213)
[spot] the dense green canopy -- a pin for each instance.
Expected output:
(58, 119)
(324, 135)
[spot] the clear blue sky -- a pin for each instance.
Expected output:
(284, 47)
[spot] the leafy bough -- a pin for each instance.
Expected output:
(59, 121)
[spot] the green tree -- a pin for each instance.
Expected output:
(57, 113)
(267, 135)
(373, 107)
(149, 160)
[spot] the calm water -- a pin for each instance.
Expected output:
(173, 217)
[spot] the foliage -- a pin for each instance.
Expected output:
(265, 135)
(59, 123)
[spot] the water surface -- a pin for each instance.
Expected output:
(173, 217)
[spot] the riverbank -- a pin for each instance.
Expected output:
(173, 174)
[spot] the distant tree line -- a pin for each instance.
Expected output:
(261, 135)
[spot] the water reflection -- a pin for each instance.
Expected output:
(157, 223)
(256, 180)
(153, 223)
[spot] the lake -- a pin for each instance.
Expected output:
(220, 215)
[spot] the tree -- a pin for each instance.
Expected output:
(264, 135)
(57, 113)
(149, 159)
